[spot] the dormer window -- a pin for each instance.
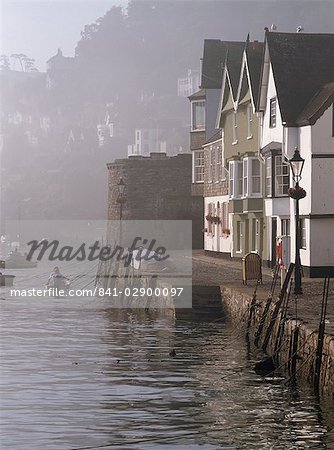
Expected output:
(272, 119)
(198, 116)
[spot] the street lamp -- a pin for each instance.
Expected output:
(121, 197)
(296, 165)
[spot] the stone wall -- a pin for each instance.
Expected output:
(237, 305)
(157, 188)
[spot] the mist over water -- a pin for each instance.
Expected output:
(84, 378)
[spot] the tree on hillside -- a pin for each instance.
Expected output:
(4, 62)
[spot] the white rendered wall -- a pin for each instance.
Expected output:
(271, 134)
(322, 139)
(322, 242)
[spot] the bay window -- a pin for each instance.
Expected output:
(231, 166)
(245, 177)
(281, 176)
(239, 166)
(256, 177)
(268, 177)
(236, 179)
(198, 116)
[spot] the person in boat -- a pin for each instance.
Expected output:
(56, 279)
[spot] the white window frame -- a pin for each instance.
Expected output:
(252, 176)
(272, 112)
(245, 168)
(198, 167)
(256, 235)
(193, 116)
(234, 128)
(239, 237)
(231, 169)
(268, 174)
(239, 177)
(279, 186)
(236, 179)
(249, 121)
(285, 227)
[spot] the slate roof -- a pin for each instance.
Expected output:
(217, 135)
(214, 55)
(316, 107)
(199, 94)
(233, 65)
(254, 52)
(303, 64)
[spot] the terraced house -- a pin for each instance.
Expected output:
(241, 143)
(296, 110)
(238, 206)
(204, 104)
(275, 96)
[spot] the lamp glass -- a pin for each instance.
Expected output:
(297, 164)
(121, 186)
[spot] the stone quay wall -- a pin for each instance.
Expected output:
(237, 306)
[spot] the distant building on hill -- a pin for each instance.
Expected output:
(188, 85)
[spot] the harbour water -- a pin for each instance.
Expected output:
(79, 375)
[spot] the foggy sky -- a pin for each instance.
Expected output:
(37, 28)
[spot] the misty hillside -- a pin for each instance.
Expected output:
(126, 67)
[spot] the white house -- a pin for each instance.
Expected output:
(295, 105)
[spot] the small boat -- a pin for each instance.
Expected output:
(17, 260)
(6, 280)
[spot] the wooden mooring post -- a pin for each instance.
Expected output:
(259, 330)
(321, 334)
(277, 307)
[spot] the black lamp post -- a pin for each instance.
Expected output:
(121, 197)
(297, 164)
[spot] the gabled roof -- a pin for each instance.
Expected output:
(250, 70)
(238, 57)
(214, 55)
(302, 65)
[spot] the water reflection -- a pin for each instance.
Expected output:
(98, 378)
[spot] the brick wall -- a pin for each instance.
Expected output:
(213, 188)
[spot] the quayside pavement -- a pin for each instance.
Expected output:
(216, 271)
